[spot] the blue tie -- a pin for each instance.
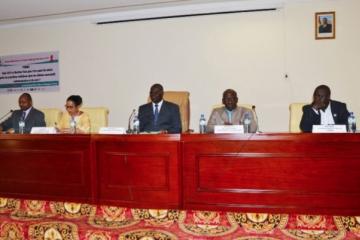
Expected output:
(229, 114)
(156, 114)
(23, 116)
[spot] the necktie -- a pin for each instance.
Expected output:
(23, 115)
(229, 116)
(156, 114)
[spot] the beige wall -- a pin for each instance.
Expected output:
(114, 65)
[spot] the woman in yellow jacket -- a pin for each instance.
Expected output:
(74, 120)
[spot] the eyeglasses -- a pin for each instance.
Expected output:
(68, 106)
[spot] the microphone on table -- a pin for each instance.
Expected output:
(6, 114)
(257, 120)
(129, 130)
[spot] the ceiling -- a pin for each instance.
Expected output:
(24, 11)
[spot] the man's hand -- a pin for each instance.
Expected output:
(318, 105)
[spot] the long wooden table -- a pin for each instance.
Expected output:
(295, 173)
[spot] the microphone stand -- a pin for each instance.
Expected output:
(6, 115)
(129, 130)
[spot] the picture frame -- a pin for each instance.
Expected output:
(325, 25)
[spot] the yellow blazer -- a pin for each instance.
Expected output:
(82, 122)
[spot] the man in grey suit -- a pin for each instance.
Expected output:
(230, 114)
(159, 115)
(31, 116)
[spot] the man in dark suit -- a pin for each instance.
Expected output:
(323, 110)
(325, 26)
(31, 116)
(159, 115)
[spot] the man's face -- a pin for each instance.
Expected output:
(322, 98)
(24, 103)
(156, 94)
(230, 100)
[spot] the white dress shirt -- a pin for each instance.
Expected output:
(159, 106)
(326, 117)
(27, 112)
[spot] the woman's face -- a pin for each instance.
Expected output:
(71, 108)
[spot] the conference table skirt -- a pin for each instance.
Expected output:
(269, 172)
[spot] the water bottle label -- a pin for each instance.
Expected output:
(247, 121)
(21, 124)
(72, 124)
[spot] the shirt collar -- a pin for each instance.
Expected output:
(327, 108)
(159, 105)
(27, 111)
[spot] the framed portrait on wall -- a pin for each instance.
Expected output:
(325, 25)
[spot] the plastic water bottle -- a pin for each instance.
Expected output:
(136, 124)
(72, 125)
(21, 126)
(202, 124)
(247, 122)
(351, 123)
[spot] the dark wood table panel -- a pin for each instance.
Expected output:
(53, 167)
(139, 171)
(314, 173)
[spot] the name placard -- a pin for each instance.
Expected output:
(229, 129)
(329, 129)
(112, 130)
(43, 130)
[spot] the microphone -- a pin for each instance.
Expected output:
(130, 118)
(257, 119)
(6, 114)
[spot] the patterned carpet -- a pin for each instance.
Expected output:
(29, 219)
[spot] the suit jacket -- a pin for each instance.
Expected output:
(310, 118)
(220, 117)
(35, 118)
(325, 29)
(168, 119)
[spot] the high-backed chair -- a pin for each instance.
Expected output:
(180, 98)
(295, 116)
(52, 116)
(98, 117)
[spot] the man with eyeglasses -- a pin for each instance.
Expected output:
(30, 116)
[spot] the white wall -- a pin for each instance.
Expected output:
(114, 65)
